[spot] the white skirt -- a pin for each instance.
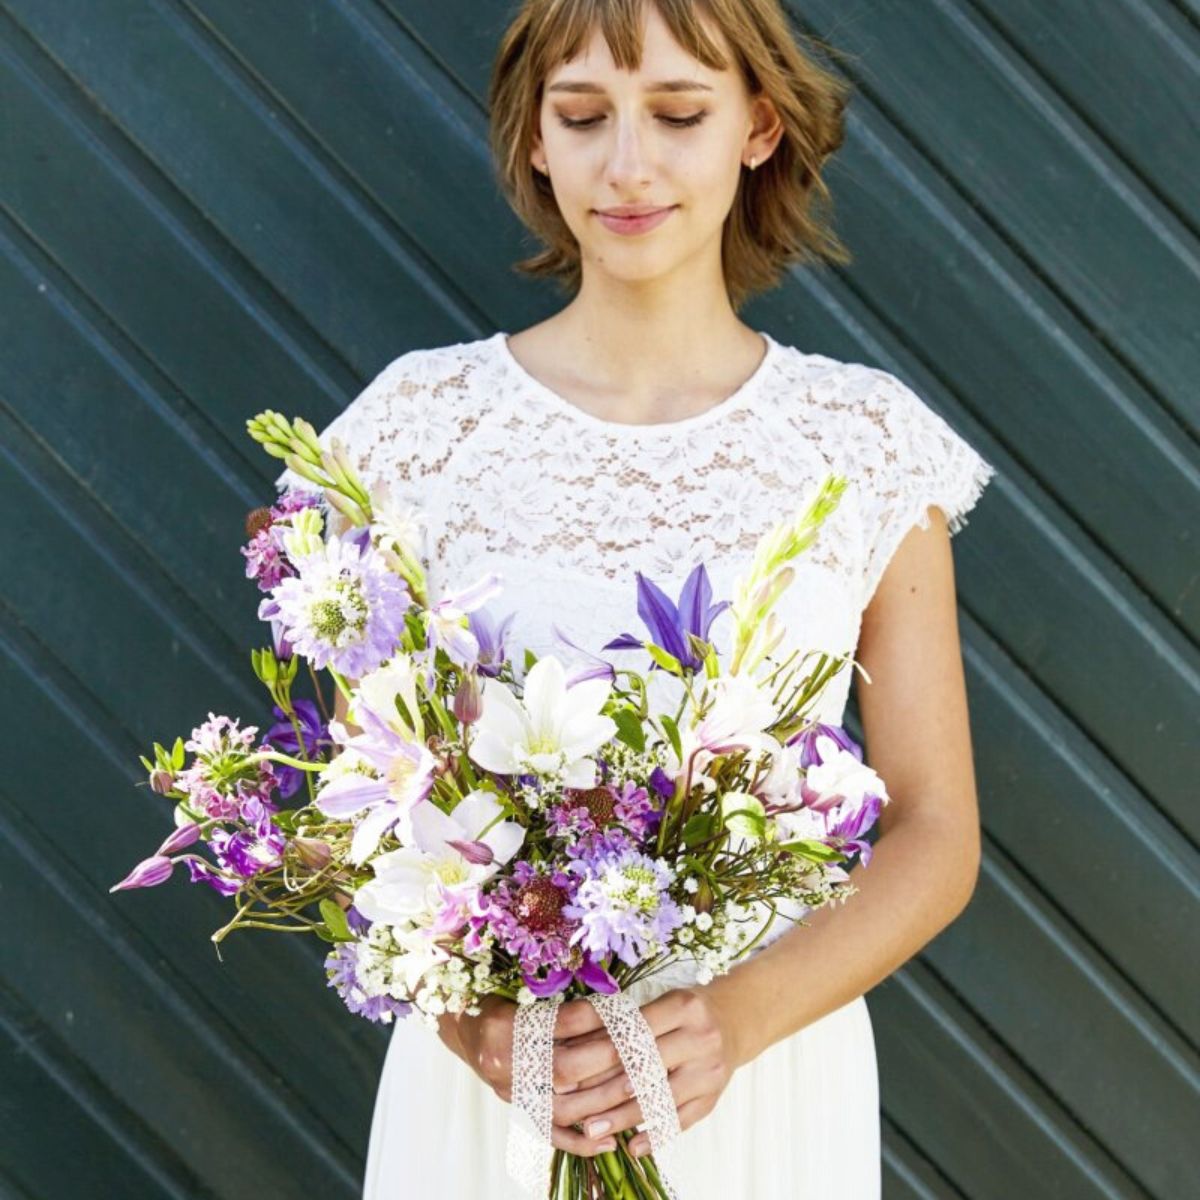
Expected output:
(799, 1122)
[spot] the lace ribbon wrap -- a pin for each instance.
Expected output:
(530, 1152)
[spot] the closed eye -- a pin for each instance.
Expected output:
(675, 122)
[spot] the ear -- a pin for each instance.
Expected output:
(766, 129)
(537, 152)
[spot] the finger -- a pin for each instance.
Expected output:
(573, 1064)
(689, 1113)
(576, 1017)
(685, 1086)
(587, 1102)
(599, 1078)
(572, 1140)
(668, 1011)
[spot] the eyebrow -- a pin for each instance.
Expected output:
(666, 85)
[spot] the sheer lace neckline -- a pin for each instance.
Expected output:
(740, 397)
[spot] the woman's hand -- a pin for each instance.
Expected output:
(485, 1044)
(696, 1038)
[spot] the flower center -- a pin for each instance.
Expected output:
(342, 611)
(539, 905)
(634, 888)
(598, 801)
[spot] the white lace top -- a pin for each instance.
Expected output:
(564, 505)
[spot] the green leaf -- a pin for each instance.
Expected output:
(673, 735)
(816, 851)
(629, 728)
(668, 662)
(700, 827)
(335, 921)
(744, 815)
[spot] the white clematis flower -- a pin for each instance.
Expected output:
(414, 883)
(379, 689)
(550, 731)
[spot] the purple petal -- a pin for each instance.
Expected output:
(185, 835)
(555, 981)
(479, 853)
(660, 616)
(596, 977)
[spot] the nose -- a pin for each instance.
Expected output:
(629, 161)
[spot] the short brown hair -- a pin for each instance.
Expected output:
(779, 215)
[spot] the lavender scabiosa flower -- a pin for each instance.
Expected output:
(622, 903)
(283, 737)
(221, 778)
(343, 609)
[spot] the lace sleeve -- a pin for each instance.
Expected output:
(922, 461)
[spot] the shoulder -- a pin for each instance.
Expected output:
(441, 366)
(858, 385)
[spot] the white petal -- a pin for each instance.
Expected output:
(370, 829)
(494, 752)
(581, 774)
(545, 693)
(432, 828)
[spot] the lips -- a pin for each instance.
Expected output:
(639, 220)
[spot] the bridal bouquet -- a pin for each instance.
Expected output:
(470, 829)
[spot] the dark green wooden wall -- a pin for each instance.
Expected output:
(214, 206)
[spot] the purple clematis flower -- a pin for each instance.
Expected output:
(490, 637)
(283, 737)
(669, 624)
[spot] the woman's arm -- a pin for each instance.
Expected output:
(926, 861)
(921, 875)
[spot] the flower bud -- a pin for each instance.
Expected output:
(312, 852)
(183, 836)
(147, 873)
(468, 699)
(161, 781)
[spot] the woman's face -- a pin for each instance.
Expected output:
(672, 135)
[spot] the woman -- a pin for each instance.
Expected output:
(645, 427)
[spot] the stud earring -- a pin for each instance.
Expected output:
(753, 162)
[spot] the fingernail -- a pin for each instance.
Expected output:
(628, 1086)
(608, 1144)
(596, 1128)
(563, 1088)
